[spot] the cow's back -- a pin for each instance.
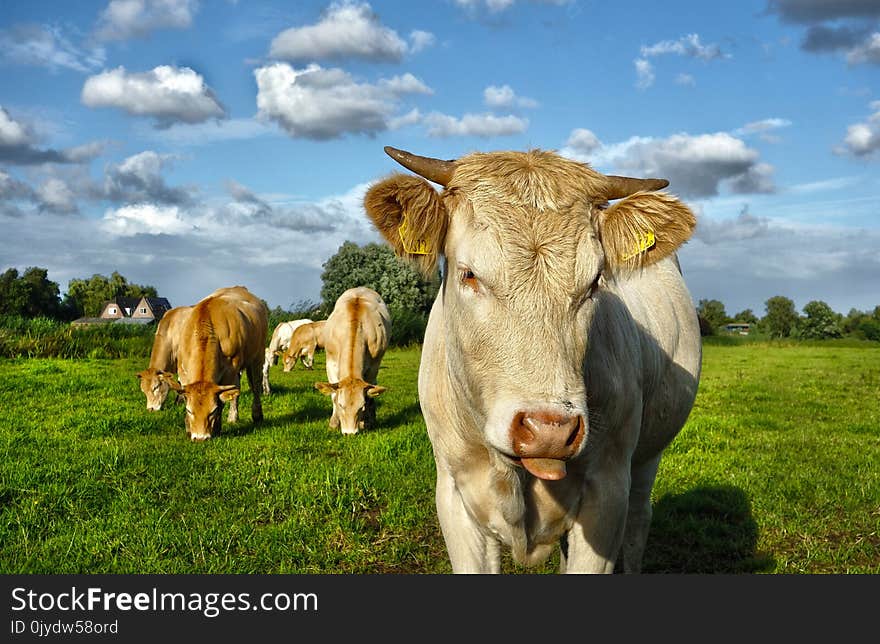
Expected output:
(356, 334)
(224, 332)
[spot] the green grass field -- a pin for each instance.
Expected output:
(775, 472)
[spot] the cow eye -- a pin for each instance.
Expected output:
(466, 276)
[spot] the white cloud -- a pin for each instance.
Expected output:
(688, 45)
(744, 226)
(17, 146)
(685, 80)
(764, 129)
(580, 145)
(866, 52)
(148, 218)
(46, 46)
(168, 94)
(497, 6)
(347, 30)
(504, 97)
(318, 103)
(410, 118)
(863, 139)
(481, 125)
(749, 259)
(644, 73)
(124, 19)
(421, 40)
(11, 131)
(139, 179)
(695, 165)
(56, 196)
(405, 84)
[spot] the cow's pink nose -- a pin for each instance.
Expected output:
(546, 435)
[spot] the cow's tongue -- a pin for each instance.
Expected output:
(550, 469)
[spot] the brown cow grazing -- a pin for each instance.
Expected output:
(306, 339)
(561, 356)
(355, 339)
(163, 357)
(224, 335)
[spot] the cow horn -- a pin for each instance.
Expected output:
(435, 170)
(619, 187)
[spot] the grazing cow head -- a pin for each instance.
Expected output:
(204, 406)
(353, 407)
(530, 244)
(155, 387)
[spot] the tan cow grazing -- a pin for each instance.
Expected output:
(355, 339)
(163, 357)
(277, 345)
(306, 339)
(562, 354)
(224, 335)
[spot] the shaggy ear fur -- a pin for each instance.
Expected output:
(388, 201)
(326, 387)
(644, 228)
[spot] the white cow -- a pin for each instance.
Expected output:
(222, 336)
(278, 344)
(355, 339)
(561, 357)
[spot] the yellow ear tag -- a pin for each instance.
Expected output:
(645, 242)
(415, 246)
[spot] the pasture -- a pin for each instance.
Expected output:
(775, 472)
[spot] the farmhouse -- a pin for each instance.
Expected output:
(742, 328)
(130, 310)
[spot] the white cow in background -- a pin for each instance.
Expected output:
(278, 344)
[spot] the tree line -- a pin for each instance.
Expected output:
(781, 320)
(409, 297)
(32, 294)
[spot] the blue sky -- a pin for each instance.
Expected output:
(197, 144)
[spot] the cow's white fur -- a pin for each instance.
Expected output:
(554, 319)
(355, 340)
(279, 342)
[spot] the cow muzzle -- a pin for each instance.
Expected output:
(544, 441)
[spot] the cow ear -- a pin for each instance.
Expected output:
(410, 215)
(326, 387)
(644, 228)
(229, 394)
(374, 390)
(171, 381)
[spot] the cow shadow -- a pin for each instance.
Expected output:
(412, 413)
(709, 529)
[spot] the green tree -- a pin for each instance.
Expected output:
(377, 267)
(781, 318)
(746, 316)
(90, 295)
(713, 312)
(819, 322)
(31, 294)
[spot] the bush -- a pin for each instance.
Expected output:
(407, 327)
(45, 338)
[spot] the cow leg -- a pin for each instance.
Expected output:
(233, 404)
(595, 539)
(253, 375)
(638, 520)
(470, 551)
(266, 364)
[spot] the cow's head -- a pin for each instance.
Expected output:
(155, 387)
(353, 407)
(204, 406)
(530, 243)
